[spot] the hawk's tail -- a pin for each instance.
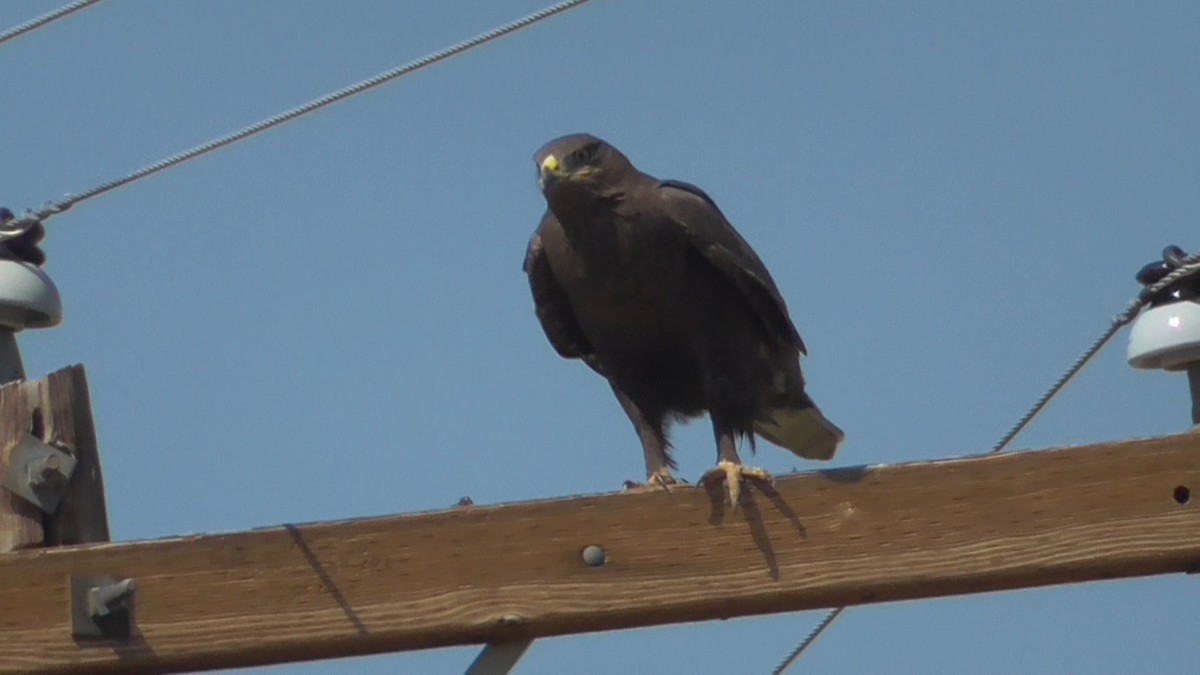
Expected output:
(804, 431)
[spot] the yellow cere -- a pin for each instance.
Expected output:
(550, 163)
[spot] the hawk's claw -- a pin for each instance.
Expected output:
(659, 480)
(732, 474)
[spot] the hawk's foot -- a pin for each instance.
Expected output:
(659, 480)
(732, 474)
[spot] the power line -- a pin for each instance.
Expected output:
(67, 202)
(1187, 267)
(808, 640)
(37, 22)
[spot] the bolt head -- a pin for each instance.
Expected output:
(594, 556)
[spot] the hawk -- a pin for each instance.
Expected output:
(646, 282)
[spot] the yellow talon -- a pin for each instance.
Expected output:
(732, 474)
(659, 480)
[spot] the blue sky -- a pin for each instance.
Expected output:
(953, 198)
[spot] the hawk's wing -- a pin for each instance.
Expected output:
(551, 303)
(724, 248)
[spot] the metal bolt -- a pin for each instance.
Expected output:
(594, 556)
(45, 473)
(108, 598)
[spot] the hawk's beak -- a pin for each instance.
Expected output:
(548, 171)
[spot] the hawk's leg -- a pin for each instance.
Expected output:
(729, 466)
(654, 443)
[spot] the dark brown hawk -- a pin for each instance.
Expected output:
(647, 282)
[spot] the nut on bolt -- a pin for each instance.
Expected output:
(108, 598)
(102, 607)
(45, 472)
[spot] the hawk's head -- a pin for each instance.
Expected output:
(581, 166)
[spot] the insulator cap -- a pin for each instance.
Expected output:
(28, 298)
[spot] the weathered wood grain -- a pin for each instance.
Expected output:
(20, 521)
(474, 574)
(82, 515)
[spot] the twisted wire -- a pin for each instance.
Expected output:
(39, 21)
(53, 208)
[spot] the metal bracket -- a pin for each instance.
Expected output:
(38, 473)
(102, 607)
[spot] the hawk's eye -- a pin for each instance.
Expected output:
(584, 154)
